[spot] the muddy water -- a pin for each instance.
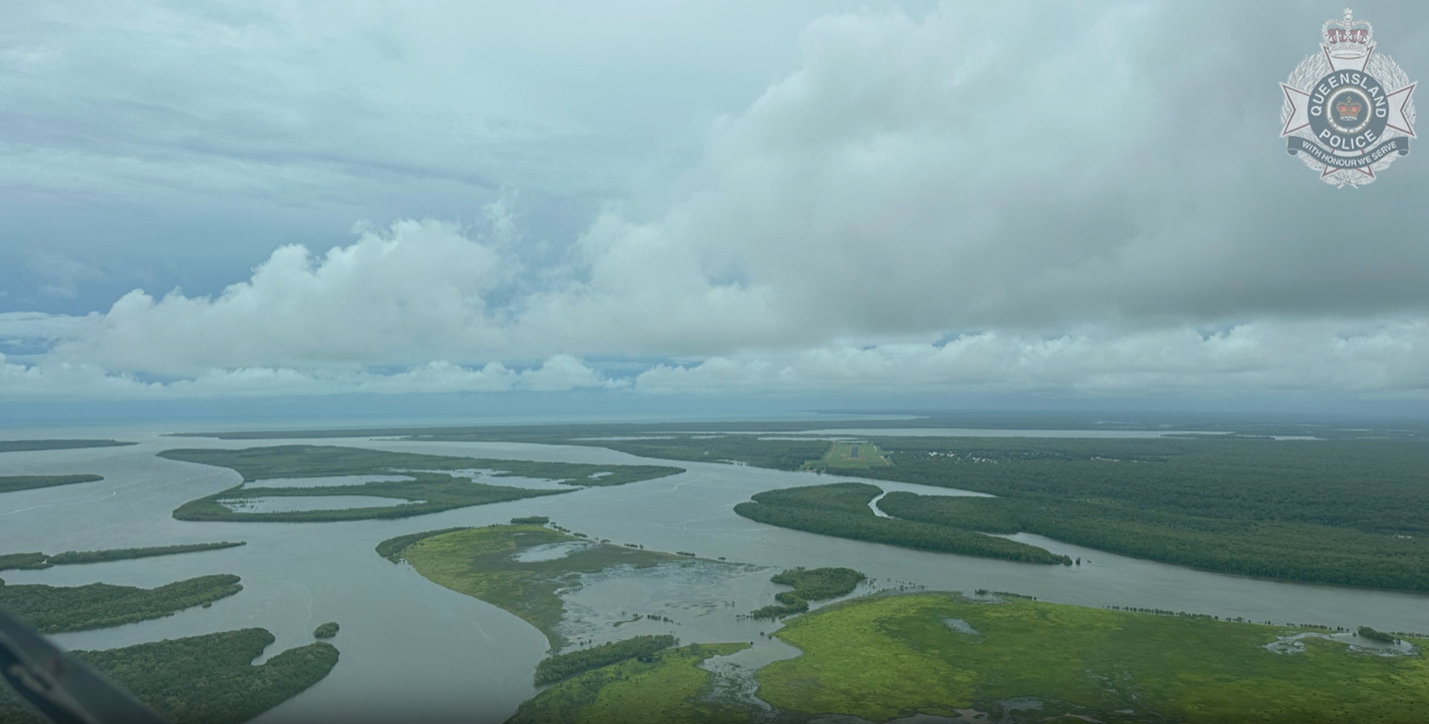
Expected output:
(411, 646)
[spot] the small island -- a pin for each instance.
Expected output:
(325, 631)
(810, 584)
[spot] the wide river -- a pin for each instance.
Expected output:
(409, 645)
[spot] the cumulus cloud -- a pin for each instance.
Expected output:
(408, 293)
(1022, 197)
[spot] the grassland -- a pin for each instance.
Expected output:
(890, 657)
(886, 657)
(850, 456)
(668, 688)
(427, 491)
(34, 445)
(13, 483)
(34, 561)
(480, 562)
(841, 510)
(55, 609)
(202, 679)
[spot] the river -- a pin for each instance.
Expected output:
(409, 645)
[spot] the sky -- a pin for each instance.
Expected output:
(657, 205)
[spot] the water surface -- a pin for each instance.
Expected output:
(411, 646)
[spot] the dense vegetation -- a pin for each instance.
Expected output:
(12, 483)
(1320, 554)
(427, 491)
(23, 561)
(203, 679)
(887, 657)
(564, 666)
(1349, 510)
(481, 562)
(841, 510)
(41, 560)
(1234, 479)
(310, 461)
(810, 584)
(1376, 635)
(54, 609)
(530, 520)
(667, 687)
(29, 445)
(326, 630)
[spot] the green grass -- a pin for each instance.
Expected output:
(202, 679)
(427, 492)
(55, 609)
(12, 483)
(850, 455)
(392, 548)
(479, 562)
(668, 688)
(887, 657)
(32, 561)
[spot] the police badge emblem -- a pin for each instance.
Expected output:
(1347, 111)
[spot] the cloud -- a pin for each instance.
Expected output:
(1012, 196)
(88, 382)
(411, 292)
(1376, 358)
(1055, 167)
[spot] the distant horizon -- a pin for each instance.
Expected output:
(971, 418)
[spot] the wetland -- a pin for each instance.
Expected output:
(600, 564)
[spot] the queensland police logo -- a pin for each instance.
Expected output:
(1347, 111)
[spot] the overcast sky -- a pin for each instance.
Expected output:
(824, 200)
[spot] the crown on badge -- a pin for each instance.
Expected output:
(1349, 109)
(1347, 39)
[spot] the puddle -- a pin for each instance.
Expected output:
(294, 504)
(1291, 645)
(326, 482)
(960, 626)
(489, 476)
(550, 551)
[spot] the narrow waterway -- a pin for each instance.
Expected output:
(411, 646)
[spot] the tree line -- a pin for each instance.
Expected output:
(56, 609)
(841, 510)
(564, 666)
(201, 679)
